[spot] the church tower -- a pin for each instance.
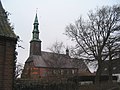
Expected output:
(8, 42)
(35, 43)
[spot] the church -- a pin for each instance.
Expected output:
(41, 64)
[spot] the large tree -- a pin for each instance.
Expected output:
(93, 34)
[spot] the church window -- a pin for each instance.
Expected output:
(73, 71)
(62, 71)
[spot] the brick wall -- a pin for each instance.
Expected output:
(7, 56)
(32, 72)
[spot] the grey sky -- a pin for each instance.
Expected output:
(53, 17)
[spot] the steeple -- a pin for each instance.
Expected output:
(35, 43)
(36, 19)
(36, 30)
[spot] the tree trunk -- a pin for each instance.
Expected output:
(110, 67)
(98, 73)
(97, 77)
(110, 64)
(110, 72)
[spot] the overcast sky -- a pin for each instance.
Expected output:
(53, 17)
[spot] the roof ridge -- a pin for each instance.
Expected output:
(52, 53)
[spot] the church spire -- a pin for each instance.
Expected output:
(36, 19)
(36, 30)
(35, 43)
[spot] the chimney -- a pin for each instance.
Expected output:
(67, 52)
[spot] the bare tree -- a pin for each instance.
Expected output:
(92, 35)
(57, 55)
(57, 47)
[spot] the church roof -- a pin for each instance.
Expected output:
(5, 28)
(53, 60)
